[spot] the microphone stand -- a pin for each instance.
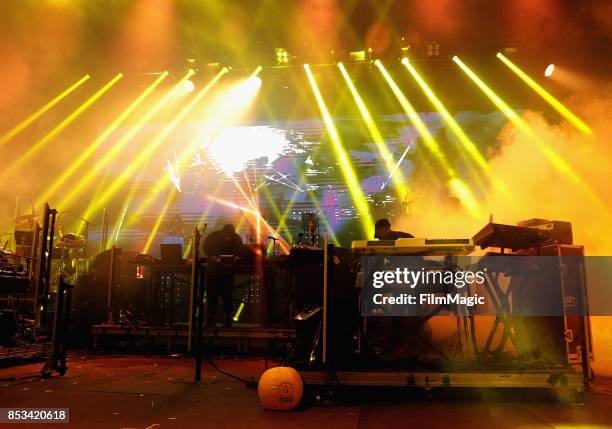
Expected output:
(274, 240)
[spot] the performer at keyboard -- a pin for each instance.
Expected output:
(220, 246)
(383, 231)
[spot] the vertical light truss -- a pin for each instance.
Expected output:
(467, 144)
(346, 168)
(62, 125)
(454, 183)
(91, 149)
(116, 149)
(555, 159)
(34, 116)
(152, 146)
(386, 155)
(554, 103)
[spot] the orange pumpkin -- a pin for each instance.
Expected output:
(280, 388)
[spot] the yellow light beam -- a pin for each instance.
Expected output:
(34, 116)
(159, 220)
(555, 104)
(87, 153)
(126, 203)
(556, 160)
(152, 146)
(459, 188)
(238, 312)
(465, 141)
(61, 126)
(121, 144)
(232, 101)
(385, 153)
(303, 181)
(430, 142)
(277, 213)
(346, 168)
(284, 245)
(249, 187)
(120, 223)
(203, 217)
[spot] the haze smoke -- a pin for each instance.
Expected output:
(539, 190)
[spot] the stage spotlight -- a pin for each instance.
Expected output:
(282, 56)
(556, 104)
(187, 87)
(556, 160)
(549, 70)
(254, 82)
(433, 49)
(358, 56)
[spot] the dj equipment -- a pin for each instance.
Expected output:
(557, 232)
(509, 237)
(414, 246)
(532, 233)
(539, 335)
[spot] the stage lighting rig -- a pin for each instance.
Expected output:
(549, 70)
(433, 49)
(187, 87)
(282, 56)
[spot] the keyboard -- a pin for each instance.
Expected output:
(414, 246)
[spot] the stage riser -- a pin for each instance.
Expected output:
(437, 379)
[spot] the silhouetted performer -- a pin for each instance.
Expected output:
(222, 247)
(383, 231)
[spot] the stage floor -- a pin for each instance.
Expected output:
(151, 392)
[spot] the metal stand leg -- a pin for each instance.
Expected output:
(63, 302)
(196, 309)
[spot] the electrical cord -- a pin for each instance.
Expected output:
(250, 382)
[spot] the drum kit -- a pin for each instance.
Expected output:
(68, 259)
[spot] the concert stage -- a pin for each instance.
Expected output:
(401, 206)
(239, 336)
(147, 392)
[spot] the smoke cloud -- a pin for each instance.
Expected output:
(540, 190)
